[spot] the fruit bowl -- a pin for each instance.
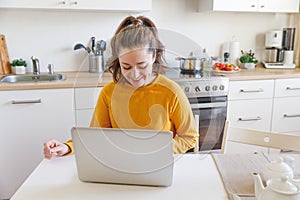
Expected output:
(225, 67)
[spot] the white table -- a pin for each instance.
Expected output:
(195, 177)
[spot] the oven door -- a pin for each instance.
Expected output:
(210, 115)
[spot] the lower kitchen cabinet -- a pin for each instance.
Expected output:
(28, 119)
(250, 105)
(286, 109)
(85, 101)
(266, 105)
(286, 115)
(251, 114)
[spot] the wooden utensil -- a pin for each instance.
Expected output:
(4, 58)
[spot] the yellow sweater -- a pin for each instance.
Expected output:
(161, 105)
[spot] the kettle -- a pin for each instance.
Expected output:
(277, 188)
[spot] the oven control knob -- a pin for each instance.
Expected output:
(186, 89)
(222, 87)
(197, 89)
(215, 87)
(207, 88)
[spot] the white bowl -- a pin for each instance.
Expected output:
(249, 66)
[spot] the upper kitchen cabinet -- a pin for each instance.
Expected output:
(275, 6)
(101, 5)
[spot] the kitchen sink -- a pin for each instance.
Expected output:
(32, 78)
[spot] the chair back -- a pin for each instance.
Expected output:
(259, 138)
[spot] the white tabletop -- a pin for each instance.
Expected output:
(195, 177)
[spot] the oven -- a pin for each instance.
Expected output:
(210, 116)
(207, 94)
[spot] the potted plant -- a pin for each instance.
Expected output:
(18, 66)
(248, 60)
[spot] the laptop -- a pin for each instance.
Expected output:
(124, 156)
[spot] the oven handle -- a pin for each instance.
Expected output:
(208, 105)
(197, 120)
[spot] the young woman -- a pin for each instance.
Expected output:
(139, 97)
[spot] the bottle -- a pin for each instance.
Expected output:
(206, 59)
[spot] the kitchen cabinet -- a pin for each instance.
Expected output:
(286, 111)
(28, 119)
(250, 106)
(104, 5)
(276, 6)
(85, 101)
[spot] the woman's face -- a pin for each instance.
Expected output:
(136, 66)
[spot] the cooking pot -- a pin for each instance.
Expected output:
(190, 64)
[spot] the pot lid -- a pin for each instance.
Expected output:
(278, 166)
(283, 185)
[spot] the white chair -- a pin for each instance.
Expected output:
(258, 138)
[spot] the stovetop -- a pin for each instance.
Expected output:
(176, 73)
(199, 84)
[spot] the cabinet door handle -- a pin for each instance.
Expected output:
(63, 2)
(248, 91)
(252, 6)
(291, 88)
(290, 116)
(26, 101)
(250, 118)
(262, 6)
(74, 2)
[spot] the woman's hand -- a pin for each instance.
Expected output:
(54, 148)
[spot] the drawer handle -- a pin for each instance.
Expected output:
(290, 116)
(74, 2)
(250, 119)
(290, 88)
(26, 101)
(248, 91)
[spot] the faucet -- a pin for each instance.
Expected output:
(36, 65)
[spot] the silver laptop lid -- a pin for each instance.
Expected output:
(124, 156)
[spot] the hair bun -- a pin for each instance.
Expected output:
(137, 22)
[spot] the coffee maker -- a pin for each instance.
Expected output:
(280, 49)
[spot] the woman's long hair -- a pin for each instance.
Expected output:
(134, 33)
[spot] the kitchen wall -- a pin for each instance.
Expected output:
(51, 34)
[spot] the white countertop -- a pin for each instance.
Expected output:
(85, 79)
(195, 177)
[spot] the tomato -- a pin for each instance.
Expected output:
(223, 66)
(229, 68)
(217, 64)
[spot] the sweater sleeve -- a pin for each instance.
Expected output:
(184, 124)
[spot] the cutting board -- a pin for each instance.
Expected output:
(4, 58)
